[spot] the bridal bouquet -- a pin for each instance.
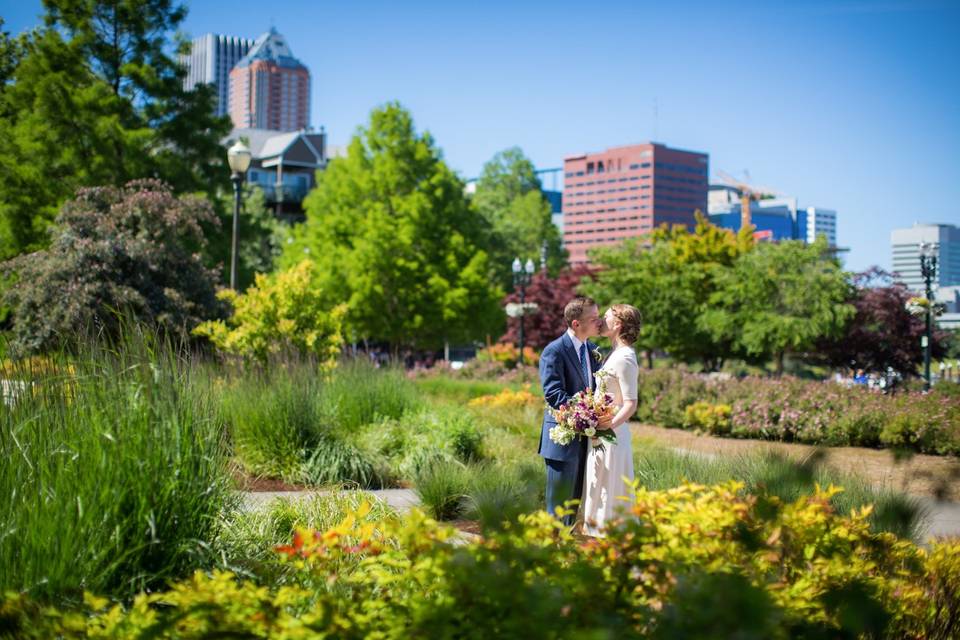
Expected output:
(582, 414)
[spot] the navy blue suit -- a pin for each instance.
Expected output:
(561, 377)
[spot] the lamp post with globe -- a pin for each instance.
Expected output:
(928, 270)
(522, 274)
(238, 157)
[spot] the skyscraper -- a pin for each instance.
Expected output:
(210, 60)
(625, 192)
(906, 254)
(269, 88)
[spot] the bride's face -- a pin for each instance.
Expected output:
(610, 325)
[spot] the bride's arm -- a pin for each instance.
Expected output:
(625, 413)
(627, 371)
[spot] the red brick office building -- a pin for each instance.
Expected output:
(625, 192)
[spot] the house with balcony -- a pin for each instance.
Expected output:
(284, 165)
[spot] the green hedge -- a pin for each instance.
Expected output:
(691, 562)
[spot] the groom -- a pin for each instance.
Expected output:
(567, 366)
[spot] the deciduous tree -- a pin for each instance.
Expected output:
(779, 299)
(394, 237)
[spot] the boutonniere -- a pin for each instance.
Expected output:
(597, 355)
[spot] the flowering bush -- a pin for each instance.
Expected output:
(509, 355)
(694, 561)
(795, 410)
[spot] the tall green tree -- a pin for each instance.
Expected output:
(671, 277)
(95, 97)
(510, 199)
(780, 299)
(393, 235)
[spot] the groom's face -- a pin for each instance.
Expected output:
(589, 323)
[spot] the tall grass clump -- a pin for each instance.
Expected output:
(442, 487)
(113, 471)
(498, 494)
(247, 538)
(290, 420)
(275, 418)
(359, 394)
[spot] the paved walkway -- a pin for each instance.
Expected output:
(942, 517)
(401, 500)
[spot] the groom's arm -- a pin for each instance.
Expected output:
(551, 378)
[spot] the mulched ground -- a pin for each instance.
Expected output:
(917, 474)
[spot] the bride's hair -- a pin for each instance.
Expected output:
(629, 318)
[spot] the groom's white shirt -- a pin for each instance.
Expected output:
(576, 347)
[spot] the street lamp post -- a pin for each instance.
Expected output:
(521, 277)
(238, 157)
(928, 269)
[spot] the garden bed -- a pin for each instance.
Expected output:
(810, 412)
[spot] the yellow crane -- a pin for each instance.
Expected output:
(748, 194)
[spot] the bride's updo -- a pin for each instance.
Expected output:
(629, 318)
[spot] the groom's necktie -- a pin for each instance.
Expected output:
(583, 364)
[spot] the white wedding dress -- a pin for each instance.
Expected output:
(609, 470)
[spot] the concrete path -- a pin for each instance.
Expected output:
(942, 518)
(401, 500)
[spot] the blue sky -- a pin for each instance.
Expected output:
(851, 105)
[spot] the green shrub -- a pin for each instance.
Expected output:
(815, 412)
(283, 313)
(712, 418)
(694, 561)
(767, 473)
(112, 473)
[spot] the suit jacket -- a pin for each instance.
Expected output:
(561, 377)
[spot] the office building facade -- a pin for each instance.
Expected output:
(210, 60)
(905, 245)
(269, 88)
(626, 192)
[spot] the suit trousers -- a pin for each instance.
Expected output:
(565, 482)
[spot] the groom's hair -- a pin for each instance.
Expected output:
(574, 309)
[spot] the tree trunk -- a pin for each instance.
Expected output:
(780, 356)
(649, 353)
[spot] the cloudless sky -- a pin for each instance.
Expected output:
(848, 105)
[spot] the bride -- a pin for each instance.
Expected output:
(609, 469)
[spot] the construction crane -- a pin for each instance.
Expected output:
(748, 193)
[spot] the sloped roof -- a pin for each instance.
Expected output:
(273, 47)
(278, 144)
